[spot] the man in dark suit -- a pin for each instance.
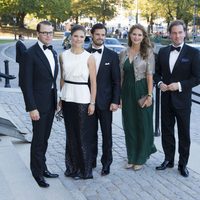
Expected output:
(20, 50)
(40, 95)
(108, 94)
(177, 72)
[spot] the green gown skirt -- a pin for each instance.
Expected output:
(137, 122)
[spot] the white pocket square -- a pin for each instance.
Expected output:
(107, 63)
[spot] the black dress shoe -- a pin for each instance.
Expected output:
(88, 177)
(183, 171)
(105, 171)
(48, 174)
(41, 182)
(164, 165)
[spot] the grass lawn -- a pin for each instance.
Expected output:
(3, 41)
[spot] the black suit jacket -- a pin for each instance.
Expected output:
(38, 79)
(108, 80)
(20, 49)
(186, 71)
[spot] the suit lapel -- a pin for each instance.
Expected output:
(56, 64)
(181, 55)
(101, 64)
(167, 58)
(102, 60)
(43, 58)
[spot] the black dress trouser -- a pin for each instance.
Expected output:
(39, 144)
(170, 115)
(105, 119)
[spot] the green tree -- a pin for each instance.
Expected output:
(102, 10)
(18, 9)
(176, 9)
(149, 10)
(54, 9)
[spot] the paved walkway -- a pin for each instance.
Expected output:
(121, 184)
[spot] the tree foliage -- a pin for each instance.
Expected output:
(18, 9)
(102, 10)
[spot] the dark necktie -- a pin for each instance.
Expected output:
(47, 47)
(175, 48)
(98, 50)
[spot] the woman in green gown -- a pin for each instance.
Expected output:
(137, 66)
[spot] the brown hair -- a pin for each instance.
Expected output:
(44, 23)
(176, 23)
(145, 44)
(78, 28)
(97, 26)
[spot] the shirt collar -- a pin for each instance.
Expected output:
(181, 45)
(40, 44)
(101, 47)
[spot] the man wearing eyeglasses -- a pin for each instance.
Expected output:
(40, 96)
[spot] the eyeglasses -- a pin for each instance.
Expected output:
(46, 33)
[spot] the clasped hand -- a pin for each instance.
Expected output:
(171, 87)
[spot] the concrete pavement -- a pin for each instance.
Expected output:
(121, 184)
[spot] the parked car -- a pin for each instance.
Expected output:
(111, 43)
(114, 44)
(66, 43)
(87, 42)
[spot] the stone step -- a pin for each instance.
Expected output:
(57, 190)
(5, 191)
(16, 179)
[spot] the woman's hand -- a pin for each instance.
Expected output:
(91, 109)
(148, 102)
(35, 115)
(59, 105)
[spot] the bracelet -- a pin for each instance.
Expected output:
(92, 103)
(150, 95)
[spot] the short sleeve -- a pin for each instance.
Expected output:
(151, 63)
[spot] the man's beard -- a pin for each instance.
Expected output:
(98, 44)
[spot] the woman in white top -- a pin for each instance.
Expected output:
(78, 104)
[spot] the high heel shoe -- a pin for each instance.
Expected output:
(137, 167)
(129, 166)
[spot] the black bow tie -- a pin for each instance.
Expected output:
(175, 48)
(98, 50)
(47, 47)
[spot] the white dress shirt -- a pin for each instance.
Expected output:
(172, 60)
(48, 53)
(98, 57)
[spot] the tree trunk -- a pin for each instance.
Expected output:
(76, 19)
(20, 19)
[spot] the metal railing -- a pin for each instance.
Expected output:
(6, 75)
(195, 94)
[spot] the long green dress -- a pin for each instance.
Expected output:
(137, 122)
